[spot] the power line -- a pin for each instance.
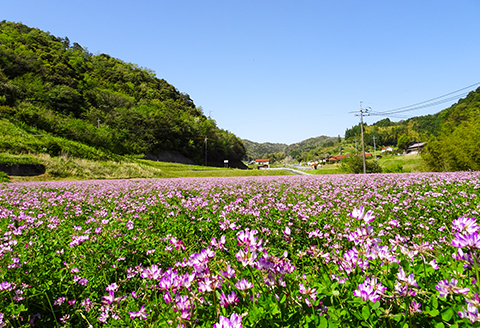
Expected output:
(390, 113)
(427, 103)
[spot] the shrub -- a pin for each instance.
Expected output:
(355, 165)
(4, 177)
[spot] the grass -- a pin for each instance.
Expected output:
(70, 168)
(410, 163)
(390, 163)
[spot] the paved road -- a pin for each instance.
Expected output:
(298, 172)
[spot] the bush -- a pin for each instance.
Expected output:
(395, 169)
(4, 177)
(355, 165)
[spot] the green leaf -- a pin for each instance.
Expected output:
(323, 322)
(439, 325)
(447, 314)
(335, 292)
(397, 317)
(332, 324)
(434, 313)
(366, 312)
(434, 302)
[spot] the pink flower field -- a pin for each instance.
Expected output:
(381, 250)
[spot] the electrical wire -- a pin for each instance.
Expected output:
(427, 103)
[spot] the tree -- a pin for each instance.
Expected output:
(403, 142)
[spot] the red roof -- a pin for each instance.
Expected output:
(262, 160)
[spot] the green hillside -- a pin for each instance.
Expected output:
(53, 93)
(452, 136)
(278, 151)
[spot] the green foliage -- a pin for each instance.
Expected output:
(355, 165)
(4, 177)
(50, 85)
(403, 142)
(457, 146)
(398, 168)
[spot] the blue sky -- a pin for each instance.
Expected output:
(281, 71)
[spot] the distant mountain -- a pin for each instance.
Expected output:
(261, 150)
(50, 87)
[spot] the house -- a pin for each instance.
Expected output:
(262, 163)
(415, 148)
(385, 149)
(366, 155)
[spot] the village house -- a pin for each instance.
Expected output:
(387, 149)
(262, 163)
(415, 148)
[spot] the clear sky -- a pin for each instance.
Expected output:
(281, 71)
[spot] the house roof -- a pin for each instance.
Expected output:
(386, 147)
(418, 144)
(262, 160)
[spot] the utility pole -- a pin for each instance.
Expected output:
(374, 148)
(363, 112)
(206, 139)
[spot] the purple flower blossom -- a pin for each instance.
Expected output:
(112, 287)
(471, 312)
(464, 224)
(226, 300)
(107, 300)
(472, 240)
(415, 307)
(410, 280)
(360, 214)
(152, 273)
(243, 284)
(141, 314)
(444, 287)
(235, 321)
(2, 323)
(370, 289)
(310, 293)
(229, 273)
(87, 304)
(59, 301)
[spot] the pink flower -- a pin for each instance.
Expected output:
(445, 288)
(361, 215)
(235, 321)
(463, 224)
(244, 284)
(472, 240)
(226, 300)
(370, 290)
(142, 314)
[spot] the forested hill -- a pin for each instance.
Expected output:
(278, 151)
(49, 86)
(419, 128)
(452, 135)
